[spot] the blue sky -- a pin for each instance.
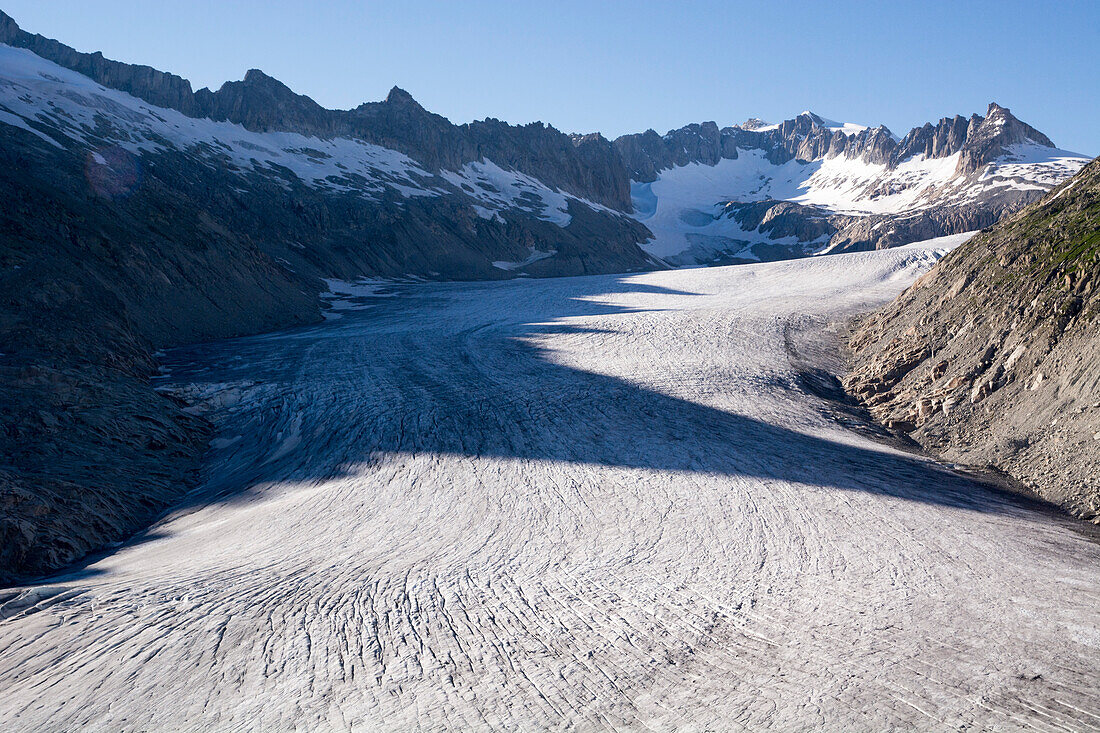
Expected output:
(622, 67)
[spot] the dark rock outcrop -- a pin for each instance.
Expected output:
(945, 138)
(780, 219)
(262, 103)
(862, 233)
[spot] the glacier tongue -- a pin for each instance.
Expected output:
(600, 502)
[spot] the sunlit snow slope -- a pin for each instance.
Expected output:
(693, 209)
(583, 503)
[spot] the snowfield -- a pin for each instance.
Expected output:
(594, 503)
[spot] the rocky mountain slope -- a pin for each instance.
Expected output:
(587, 166)
(698, 195)
(810, 186)
(993, 357)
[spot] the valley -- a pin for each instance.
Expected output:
(613, 501)
(324, 414)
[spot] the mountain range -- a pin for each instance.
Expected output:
(696, 195)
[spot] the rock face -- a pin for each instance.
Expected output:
(993, 357)
(993, 136)
(156, 87)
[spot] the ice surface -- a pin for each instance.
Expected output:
(582, 503)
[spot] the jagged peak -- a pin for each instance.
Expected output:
(584, 138)
(253, 76)
(997, 115)
(257, 79)
(8, 27)
(1002, 117)
(399, 96)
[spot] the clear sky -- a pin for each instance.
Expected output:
(620, 67)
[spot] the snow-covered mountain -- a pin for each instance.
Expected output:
(811, 186)
(115, 130)
(390, 188)
(406, 192)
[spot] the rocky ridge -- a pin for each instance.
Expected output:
(855, 187)
(587, 166)
(993, 357)
(810, 137)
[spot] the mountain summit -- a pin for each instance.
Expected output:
(398, 96)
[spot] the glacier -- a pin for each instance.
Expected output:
(625, 502)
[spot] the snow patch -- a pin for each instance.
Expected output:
(497, 188)
(535, 256)
(346, 295)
